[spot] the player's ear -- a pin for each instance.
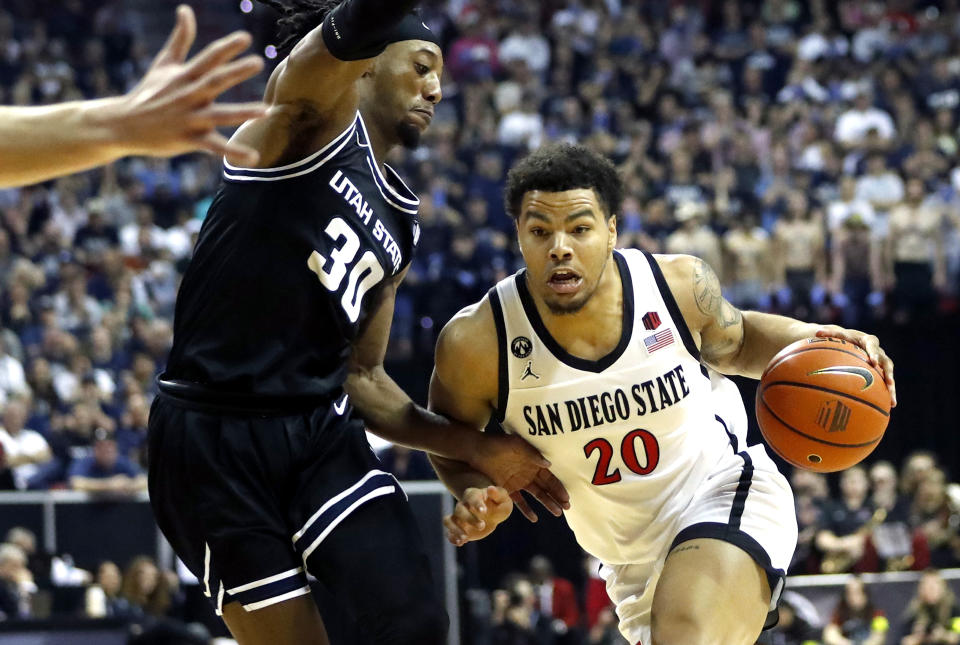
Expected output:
(612, 227)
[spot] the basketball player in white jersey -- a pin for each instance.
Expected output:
(602, 359)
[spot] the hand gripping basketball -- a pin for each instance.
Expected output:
(822, 403)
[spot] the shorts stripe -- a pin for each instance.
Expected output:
(220, 598)
(206, 570)
(740, 498)
(338, 497)
(272, 601)
(327, 524)
(264, 581)
(270, 590)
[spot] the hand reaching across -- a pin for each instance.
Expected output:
(515, 465)
(172, 110)
(477, 514)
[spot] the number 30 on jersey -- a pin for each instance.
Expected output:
(364, 274)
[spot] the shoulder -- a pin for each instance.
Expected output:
(469, 339)
(693, 283)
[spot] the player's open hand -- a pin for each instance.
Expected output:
(515, 465)
(871, 345)
(172, 110)
(477, 514)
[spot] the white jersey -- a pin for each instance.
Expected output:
(631, 435)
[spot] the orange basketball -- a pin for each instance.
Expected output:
(821, 405)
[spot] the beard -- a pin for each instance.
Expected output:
(408, 134)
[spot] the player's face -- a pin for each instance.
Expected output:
(566, 239)
(407, 87)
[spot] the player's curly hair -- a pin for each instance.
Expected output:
(298, 18)
(558, 167)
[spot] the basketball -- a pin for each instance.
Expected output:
(821, 405)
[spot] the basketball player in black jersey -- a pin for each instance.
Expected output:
(259, 466)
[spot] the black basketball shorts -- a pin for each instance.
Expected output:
(247, 499)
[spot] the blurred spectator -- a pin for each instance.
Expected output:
(855, 620)
(853, 281)
(897, 545)
(798, 623)
(916, 264)
(847, 523)
(106, 471)
(855, 124)
(556, 600)
(695, 237)
(748, 268)
(935, 514)
(914, 470)
(881, 188)
(146, 588)
(25, 449)
(933, 616)
(103, 597)
(515, 619)
(12, 378)
(849, 206)
(16, 583)
(38, 561)
(798, 251)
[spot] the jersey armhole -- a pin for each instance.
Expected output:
(503, 386)
(673, 307)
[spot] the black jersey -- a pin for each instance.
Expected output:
(284, 265)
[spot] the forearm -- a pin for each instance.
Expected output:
(392, 415)
(458, 476)
(763, 336)
(38, 143)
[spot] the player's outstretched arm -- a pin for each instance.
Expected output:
(477, 514)
(170, 112)
(391, 414)
(744, 342)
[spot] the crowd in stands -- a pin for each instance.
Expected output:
(809, 151)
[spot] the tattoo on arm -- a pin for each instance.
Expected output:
(686, 547)
(710, 301)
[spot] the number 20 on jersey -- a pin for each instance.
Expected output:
(628, 453)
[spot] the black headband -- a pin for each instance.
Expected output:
(347, 40)
(412, 27)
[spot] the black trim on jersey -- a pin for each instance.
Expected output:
(626, 332)
(503, 378)
(672, 307)
(745, 542)
(743, 488)
(732, 437)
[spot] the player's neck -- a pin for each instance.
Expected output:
(590, 333)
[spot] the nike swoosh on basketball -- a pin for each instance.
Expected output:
(341, 405)
(862, 372)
